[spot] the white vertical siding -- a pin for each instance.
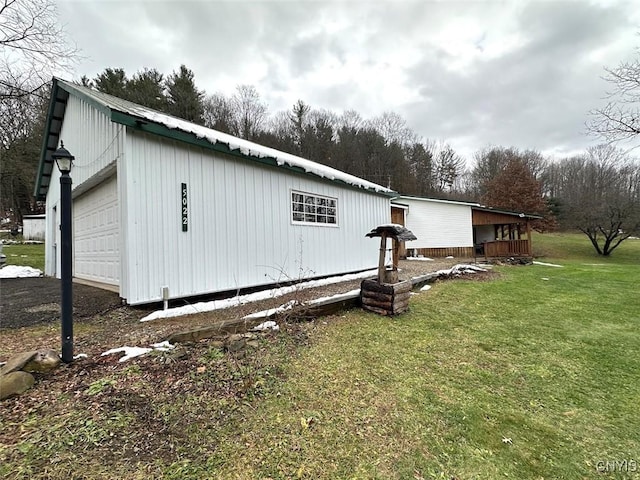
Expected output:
(92, 138)
(438, 224)
(52, 228)
(97, 144)
(240, 232)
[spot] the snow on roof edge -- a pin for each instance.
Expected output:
(245, 147)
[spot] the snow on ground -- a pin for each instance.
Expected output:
(421, 259)
(132, 352)
(289, 305)
(547, 264)
(461, 268)
(18, 271)
(425, 288)
(252, 297)
(270, 312)
(268, 325)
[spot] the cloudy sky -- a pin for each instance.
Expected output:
(474, 73)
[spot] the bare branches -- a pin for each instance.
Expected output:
(34, 46)
(619, 120)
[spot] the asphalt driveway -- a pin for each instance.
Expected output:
(26, 302)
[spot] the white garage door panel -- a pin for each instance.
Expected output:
(96, 231)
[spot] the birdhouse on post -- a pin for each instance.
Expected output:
(387, 295)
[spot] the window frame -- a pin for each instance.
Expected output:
(317, 202)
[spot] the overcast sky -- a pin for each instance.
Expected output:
(473, 73)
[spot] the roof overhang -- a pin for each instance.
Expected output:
(516, 215)
(433, 200)
(51, 139)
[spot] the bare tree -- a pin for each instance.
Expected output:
(447, 166)
(218, 113)
(394, 128)
(34, 46)
(21, 127)
(600, 193)
(619, 120)
(249, 112)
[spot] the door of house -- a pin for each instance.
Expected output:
(397, 216)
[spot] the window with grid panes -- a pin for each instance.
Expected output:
(313, 209)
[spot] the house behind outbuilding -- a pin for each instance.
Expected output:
(161, 203)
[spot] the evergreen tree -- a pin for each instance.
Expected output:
(147, 88)
(184, 99)
(112, 81)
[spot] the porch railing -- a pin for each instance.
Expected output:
(507, 248)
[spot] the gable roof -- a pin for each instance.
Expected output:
(157, 123)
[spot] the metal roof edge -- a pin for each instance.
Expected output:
(484, 208)
(146, 125)
(437, 200)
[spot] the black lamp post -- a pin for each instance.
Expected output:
(64, 160)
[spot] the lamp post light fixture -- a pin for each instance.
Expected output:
(64, 160)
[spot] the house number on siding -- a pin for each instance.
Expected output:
(185, 209)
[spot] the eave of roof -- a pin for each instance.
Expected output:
(435, 200)
(156, 123)
(529, 216)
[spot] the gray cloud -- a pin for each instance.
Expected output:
(475, 73)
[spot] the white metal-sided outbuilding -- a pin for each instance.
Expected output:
(161, 203)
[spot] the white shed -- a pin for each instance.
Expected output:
(33, 227)
(159, 202)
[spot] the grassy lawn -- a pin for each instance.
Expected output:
(25, 255)
(534, 374)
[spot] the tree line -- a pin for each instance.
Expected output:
(597, 192)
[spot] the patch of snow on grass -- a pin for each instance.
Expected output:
(129, 352)
(18, 271)
(547, 264)
(132, 352)
(460, 268)
(268, 325)
(425, 288)
(163, 346)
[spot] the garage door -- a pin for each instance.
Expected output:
(96, 234)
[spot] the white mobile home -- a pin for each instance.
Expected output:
(159, 202)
